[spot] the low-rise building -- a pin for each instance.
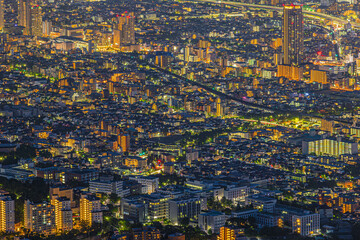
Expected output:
(150, 184)
(236, 193)
(266, 204)
(107, 187)
(211, 220)
(184, 207)
(133, 209)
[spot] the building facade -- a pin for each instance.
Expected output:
(293, 34)
(90, 209)
(24, 17)
(150, 184)
(7, 214)
(307, 224)
(2, 14)
(63, 214)
(107, 187)
(212, 220)
(185, 207)
(329, 146)
(36, 21)
(39, 217)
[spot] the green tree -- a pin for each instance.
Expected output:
(184, 221)
(84, 226)
(114, 198)
(124, 225)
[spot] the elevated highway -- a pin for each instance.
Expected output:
(306, 13)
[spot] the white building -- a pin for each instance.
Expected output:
(236, 193)
(268, 220)
(306, 224)
(107, 187)
(212, 220)
(185, 207)
(303, 222)
(266, 204)
(150, 184)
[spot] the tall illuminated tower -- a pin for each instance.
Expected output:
(219, 108)
(293, 35)
(24, 17)
(2, 12)
(36, 20)
(7, 214)
(124, 32)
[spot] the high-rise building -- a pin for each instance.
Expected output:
(30, 17)
(90, 209)
(293, 34)
(46, 28)
(117, 38)
(39, 217)
(2, 12)
(318, 76)
(219, 108)
(63, 214)
(36, 21)
(24, 17)
(124, 33)
(124, 142)
(7, 214)
(186, 53)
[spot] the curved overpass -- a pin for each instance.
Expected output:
(309, 13)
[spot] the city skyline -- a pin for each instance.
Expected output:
(179, 120)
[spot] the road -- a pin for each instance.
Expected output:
(239, 100)
(270, 123)
(308, 13)
(230, 97)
